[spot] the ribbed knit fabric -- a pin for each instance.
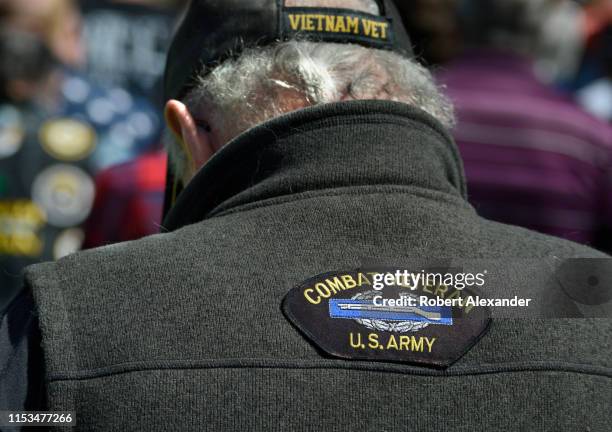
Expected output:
(183, 330)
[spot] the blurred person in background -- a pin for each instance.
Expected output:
(532, 157)
(27, 72)
(126, 125)
(127, 42)
(57, 22)
(57, 130)
(129, 201)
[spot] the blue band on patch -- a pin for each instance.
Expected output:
(365, 309)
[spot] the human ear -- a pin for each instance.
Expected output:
(195, 139)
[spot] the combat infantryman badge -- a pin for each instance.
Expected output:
(354, 315)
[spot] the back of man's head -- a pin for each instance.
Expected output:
(264, 82)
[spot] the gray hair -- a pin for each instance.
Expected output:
(263, 83)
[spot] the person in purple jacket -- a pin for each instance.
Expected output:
(532, 157)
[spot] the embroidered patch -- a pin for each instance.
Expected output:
(65, 192)
(376, 315)
(67, 139)
(337, 25)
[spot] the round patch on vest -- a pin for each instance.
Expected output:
(21, 224)
(67, 139)
(66, 193)
(368, 315)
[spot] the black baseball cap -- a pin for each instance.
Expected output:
(214, 30)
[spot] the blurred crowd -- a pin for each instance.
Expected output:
(80, 125)
(531, 84)
(81, 159)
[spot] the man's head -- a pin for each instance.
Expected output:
(57, 22)
(263, 82)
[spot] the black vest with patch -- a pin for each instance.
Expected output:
(185, 330)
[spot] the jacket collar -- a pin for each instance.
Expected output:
(330, 146)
